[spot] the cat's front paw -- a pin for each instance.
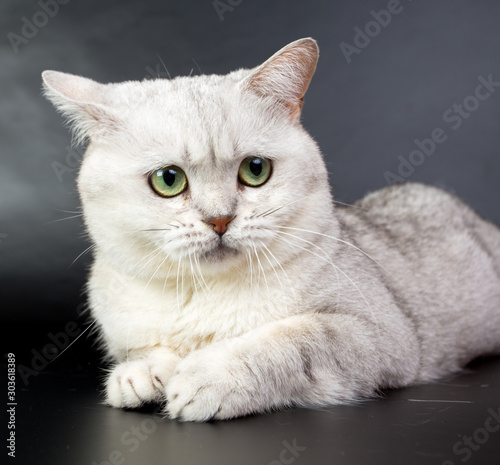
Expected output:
(132, 384)
(211, 384)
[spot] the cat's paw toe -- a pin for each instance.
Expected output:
(135, 383)
(203, 388)
(192, 400)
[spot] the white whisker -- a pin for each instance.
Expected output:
(69, 211)
(339, 240)
(164, 286)
(74, 340)
(156, 271)
(273, 268)
(182, 284)
(166, 70)
(167, 276)
(64, 219)
(205, 286)
(350, 205)
(194, 276)
(128, 335)
(177, 284)
(88, 249)
(156, 251)
(284, 272)
(328, 260)
(279, 280)
(274, 210)
(263, 273)
(250, 265)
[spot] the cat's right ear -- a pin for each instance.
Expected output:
(83, 101)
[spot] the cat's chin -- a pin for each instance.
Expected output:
(220, 255)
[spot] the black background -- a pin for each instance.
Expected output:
(364, 115)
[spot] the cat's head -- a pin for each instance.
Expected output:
(198, 171)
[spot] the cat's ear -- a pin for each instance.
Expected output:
(83, 101)
(286, 75)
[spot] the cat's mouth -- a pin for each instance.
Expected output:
(220, 253)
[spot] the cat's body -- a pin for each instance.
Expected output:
(228, 298)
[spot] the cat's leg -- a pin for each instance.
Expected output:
(140, 379)
(310, 360)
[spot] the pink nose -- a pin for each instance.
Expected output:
(220, 224)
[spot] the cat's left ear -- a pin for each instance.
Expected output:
(84, 102)
(286, 75)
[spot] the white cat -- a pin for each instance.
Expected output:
(227, 282)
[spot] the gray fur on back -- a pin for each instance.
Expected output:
(443, 270)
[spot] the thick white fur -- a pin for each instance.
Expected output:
(285, 308)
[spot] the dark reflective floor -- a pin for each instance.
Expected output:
(60, 420)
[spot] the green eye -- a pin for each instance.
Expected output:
(169, 181)
(254, 171)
